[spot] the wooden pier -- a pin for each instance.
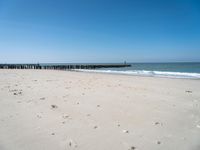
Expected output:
(61, 66)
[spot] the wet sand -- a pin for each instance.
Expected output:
(61, 110)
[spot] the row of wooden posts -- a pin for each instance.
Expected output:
(61, 67)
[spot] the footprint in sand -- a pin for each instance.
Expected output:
(158, 123)
(7, 86)
(65, 96)
(49, 80)
(16, 92)
(38, 116)
(72, 144)
(65, 116)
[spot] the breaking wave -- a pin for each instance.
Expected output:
(148, 73)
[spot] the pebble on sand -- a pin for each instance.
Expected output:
(188, 91)
(158, 142)
(133, 148)
(54, 106)
(125, 131)
(42, 98)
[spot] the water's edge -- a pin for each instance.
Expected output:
(181, 75)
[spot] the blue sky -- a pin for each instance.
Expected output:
(42, 31)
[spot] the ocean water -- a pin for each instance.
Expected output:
(170, 70)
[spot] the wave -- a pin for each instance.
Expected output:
(148, 73)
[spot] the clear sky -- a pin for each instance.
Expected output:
(42, 31)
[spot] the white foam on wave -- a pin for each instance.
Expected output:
(148, 73)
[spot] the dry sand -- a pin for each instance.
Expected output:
(61, 110)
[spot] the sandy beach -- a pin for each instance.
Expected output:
(63, 110)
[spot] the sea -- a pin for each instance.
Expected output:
(189, 70)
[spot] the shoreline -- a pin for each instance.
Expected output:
(104, 73)
(122, 74)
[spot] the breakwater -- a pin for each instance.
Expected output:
(61, 67)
